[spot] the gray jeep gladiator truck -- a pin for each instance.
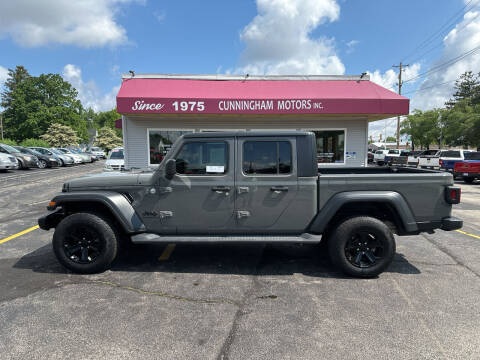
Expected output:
(262, 187)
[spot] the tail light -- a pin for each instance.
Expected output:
(440, 162)
(452, 194)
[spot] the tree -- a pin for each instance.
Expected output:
(107, 139)
(15, 77)
(391, 139)
(59, 135)
(467, 87)
(34, 143)
(35, 102)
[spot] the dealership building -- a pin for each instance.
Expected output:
(157, 108)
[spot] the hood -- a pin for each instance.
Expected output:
(106, 180)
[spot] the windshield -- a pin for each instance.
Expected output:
(472, 155)
(95, 149)
(116, 154)
(10, 149)
(55, 151)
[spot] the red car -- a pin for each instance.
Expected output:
(469, 168)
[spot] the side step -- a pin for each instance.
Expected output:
(148, 238)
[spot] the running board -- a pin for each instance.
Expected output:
(148, 238)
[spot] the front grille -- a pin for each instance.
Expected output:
(118, 167)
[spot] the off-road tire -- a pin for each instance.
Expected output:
(107, 239)
(341, 239)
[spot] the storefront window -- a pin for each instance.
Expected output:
(161, 141)
(330, 146)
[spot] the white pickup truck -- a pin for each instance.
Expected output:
(429, 159)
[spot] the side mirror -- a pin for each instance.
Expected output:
(170, 169)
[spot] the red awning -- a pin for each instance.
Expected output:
(170, 95)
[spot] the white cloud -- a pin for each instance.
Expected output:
(351, 46)
(278, 40)
(84, 23)
(3, 75)
(464, 37)
(88, 92)
(160, 16)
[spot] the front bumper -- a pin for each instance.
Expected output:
(451, 223)
(51, 219)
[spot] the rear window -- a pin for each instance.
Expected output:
(472, 155)
(405, 153)
(430, 152)
(379, 152)
(267, 157)
(450, 153)
(393, 152)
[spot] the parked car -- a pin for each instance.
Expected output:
(98, 152)
(245, 187)
(391, 154)
(86, 158)
(469, 168)
(429, 159)
(77, 158)
(379, 157)
(25, 161)
(370, 156)
(44, 161)
(115, 160)
(448, 158)
(8, 162)
(81, 152)
(400, 160)
(66, 160)
(414, 158)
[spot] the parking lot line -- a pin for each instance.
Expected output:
(465, 233)
(167, 252)
(19, 234)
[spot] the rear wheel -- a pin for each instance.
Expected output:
(468, 180)
(362, 246)
(85, 243)
(42, 164)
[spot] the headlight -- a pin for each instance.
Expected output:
(28, 158)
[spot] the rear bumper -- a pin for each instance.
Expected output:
(467, 175)
(451, 223)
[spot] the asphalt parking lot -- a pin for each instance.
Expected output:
(232, 301)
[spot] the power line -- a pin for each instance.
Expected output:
(450, 21)
(445, 64)
(429, 87)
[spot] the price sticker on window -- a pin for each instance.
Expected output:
(215, 169)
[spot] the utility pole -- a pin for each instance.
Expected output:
(1, 125)
(400, 70)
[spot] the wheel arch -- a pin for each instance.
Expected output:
(388, 206)
(114, 205)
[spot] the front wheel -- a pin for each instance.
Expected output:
(362, 246)
(85, 243)
(42, 164)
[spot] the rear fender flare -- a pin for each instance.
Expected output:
(397, 201)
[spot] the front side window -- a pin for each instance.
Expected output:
(267, 157)
(160, 142)
(202, 158)
(330, 146)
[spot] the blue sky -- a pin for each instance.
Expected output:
(91, 42)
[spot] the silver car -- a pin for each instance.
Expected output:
(8, 162)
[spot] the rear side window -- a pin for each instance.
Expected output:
(454, 154)
(379, 152)
(472, 156)
(267, 157)
(202, 158)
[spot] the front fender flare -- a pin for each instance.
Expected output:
(116, 203)
(397, 201)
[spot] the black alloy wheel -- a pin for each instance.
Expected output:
(86, 243)
(361, 246)
(364, 249)
(82, 245)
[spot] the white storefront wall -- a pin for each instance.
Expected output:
(136, 139)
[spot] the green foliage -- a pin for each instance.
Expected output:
(8, 142)
(34, 143)
(107, 119)
(59, 135)
(391, 139)
(107, 139)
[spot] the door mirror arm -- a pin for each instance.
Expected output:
(170, 169)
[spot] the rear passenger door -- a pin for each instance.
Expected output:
(266, 184)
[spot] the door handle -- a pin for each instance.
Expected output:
(221, 189)
(279, 189)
